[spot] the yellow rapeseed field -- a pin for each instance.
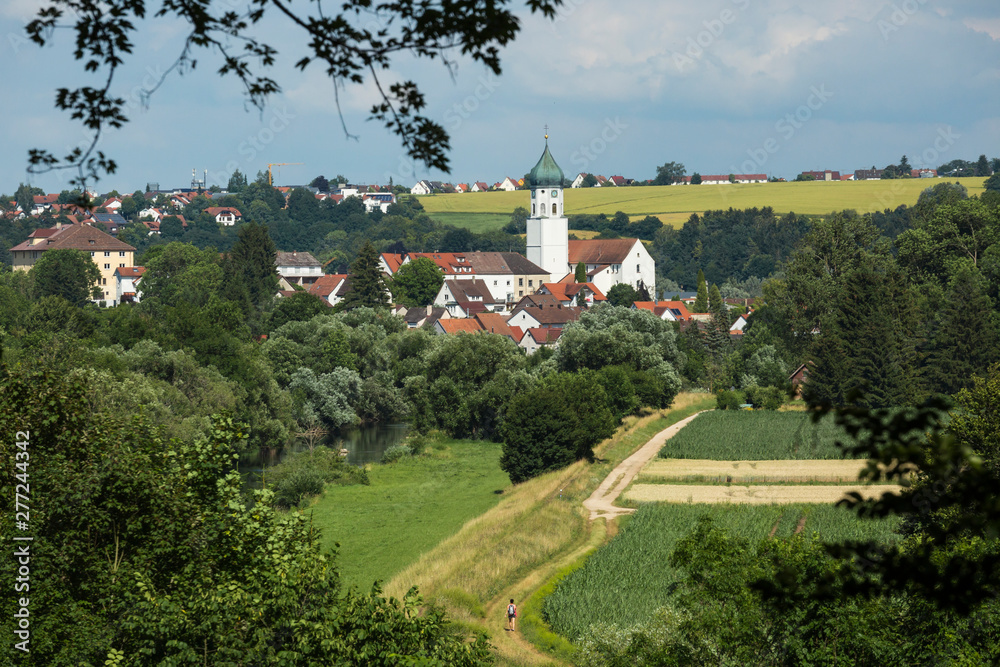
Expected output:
(674, 204)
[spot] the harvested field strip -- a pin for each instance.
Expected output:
(750, 495)
(735, 472)
(627, 580)
(727, 435)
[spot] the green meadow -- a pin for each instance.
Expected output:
(480, 211)
(410, 507)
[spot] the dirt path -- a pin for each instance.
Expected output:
(753, 495)
(601, 502)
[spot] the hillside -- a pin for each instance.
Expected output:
(674, 204)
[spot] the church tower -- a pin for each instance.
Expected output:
(548, 228)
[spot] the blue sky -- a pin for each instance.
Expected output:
(768, 86)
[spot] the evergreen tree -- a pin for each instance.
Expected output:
(581, 272)
(983, 166)
(701, 303)
(368, 289)
(237, 182)
(718, 333)
(965, 341)
(867, 343)
(251, 274)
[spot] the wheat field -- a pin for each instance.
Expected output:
(674, 204)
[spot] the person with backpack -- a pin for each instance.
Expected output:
(511, 615)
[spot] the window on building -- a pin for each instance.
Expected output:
(107, 253)
(520, 282)
(532, 210)
(107, 266)
(121, 266)
(637, 268)
(531, 283)
(553, 208)
(520, 293)
(91, 253)
(121, 253)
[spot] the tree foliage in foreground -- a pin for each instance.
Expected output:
(145, 552)
(346, 47)
(69, 274)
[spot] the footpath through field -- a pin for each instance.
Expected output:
(601, 502)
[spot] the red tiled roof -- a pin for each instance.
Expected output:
(130, 271)
(215, 211)
(393, 261)
(600, 251)
(544, 335)
(78, 237)
(325, 285)
(456, 326)
(494, 323)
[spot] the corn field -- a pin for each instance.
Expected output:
(626, 581)
(727, 435)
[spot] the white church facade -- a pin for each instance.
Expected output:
(609, 262)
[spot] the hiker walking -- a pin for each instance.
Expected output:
(511, 616)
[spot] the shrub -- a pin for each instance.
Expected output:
(293, 479)
(728, 399)
(418, 443)
(395, 453)
(766, 398)
(292, 489)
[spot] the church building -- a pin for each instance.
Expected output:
(609, 262)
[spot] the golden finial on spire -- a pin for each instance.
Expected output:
(546, 132)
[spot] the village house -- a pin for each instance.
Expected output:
(127, 284)
(466, 298)
(535, 339)
(225, 215)
(550, 316)
(573, 293)
(479, 186)
(508, 275)
(107, 252)
(331, 288)
(300, 268)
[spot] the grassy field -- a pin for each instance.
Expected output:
(627, 580)
(737, 435)
(751, 472)
(674, 204)
(410, 507)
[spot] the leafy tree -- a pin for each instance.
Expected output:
(589, 181)
(148, 548)
(130, 207)
(518, 221)
(623, 295)
(368, 289)
(66, 273)
(553, 425)
(25, 197)
(417, 283)
(669, 173)
(299, 306)
(320, 183)
(701, 302)
(993, 183)
(696, 178)
(954, 233)
(904, 167)
(171, 228)
(581, 273)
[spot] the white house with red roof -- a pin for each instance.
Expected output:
(127, 284)
(466, 298)
(42, 203)
(331, 287)
(479, 186)
(509, 184)
(535, 339)
(226, 216)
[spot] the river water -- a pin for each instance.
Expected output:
(364, 444)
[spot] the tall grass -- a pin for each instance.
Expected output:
(625, 582)
(728, 435)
